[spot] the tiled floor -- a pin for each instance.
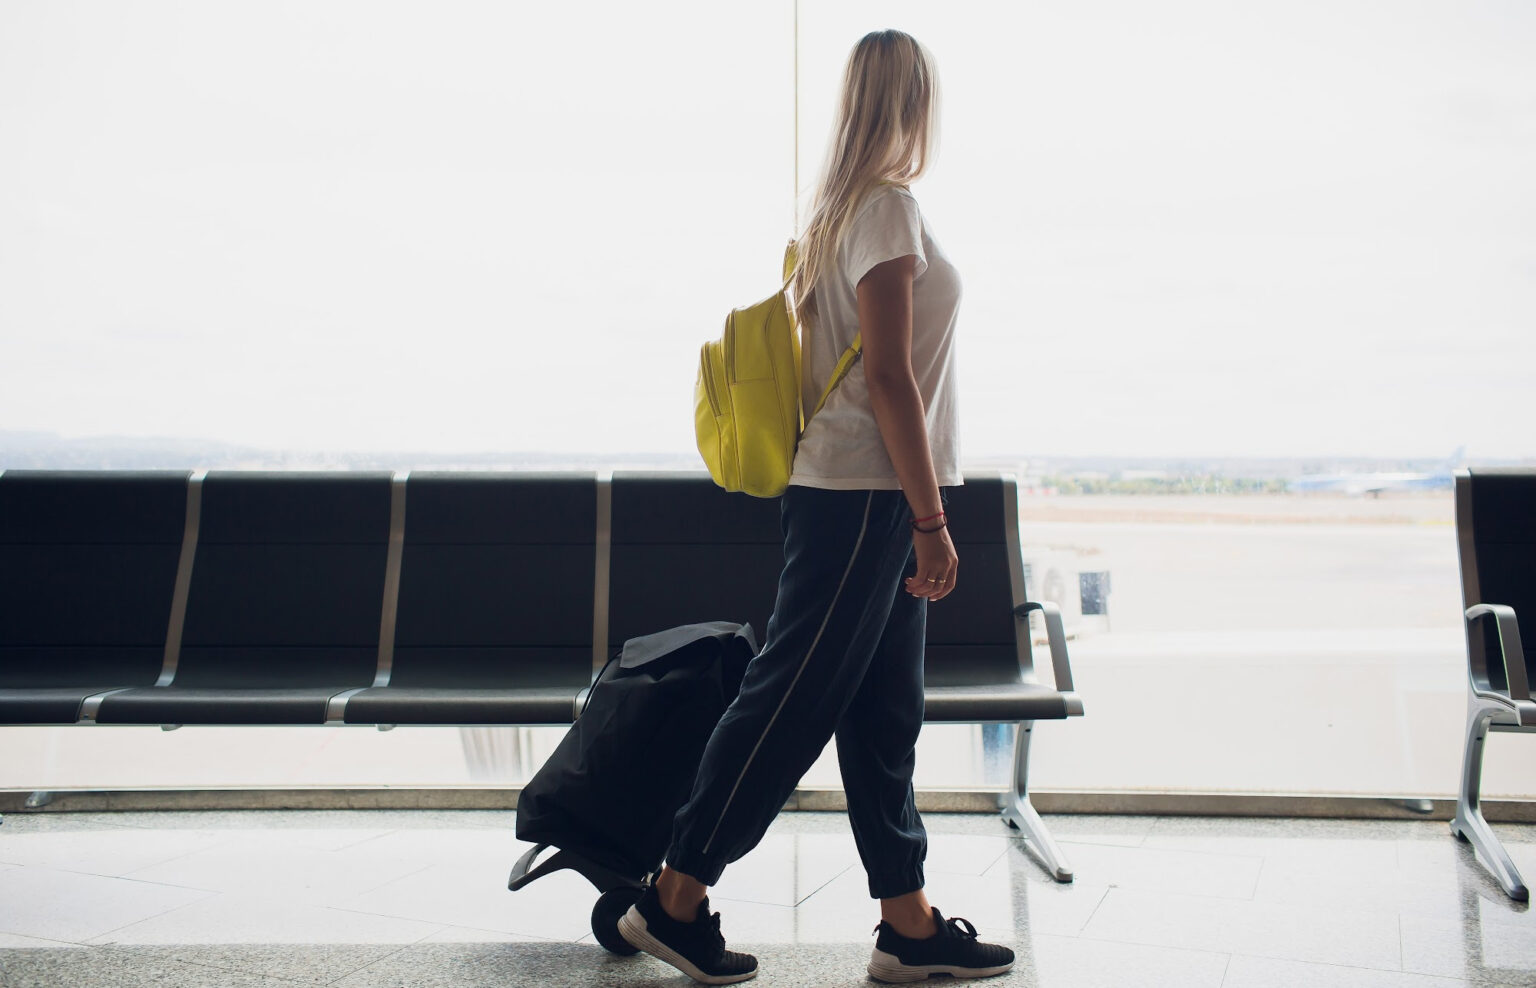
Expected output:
(365, 898)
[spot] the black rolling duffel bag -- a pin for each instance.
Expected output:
(607, 795)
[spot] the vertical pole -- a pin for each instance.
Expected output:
(795, 198)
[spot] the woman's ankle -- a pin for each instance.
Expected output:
(910, 915)
(679, 894)
(915, 929)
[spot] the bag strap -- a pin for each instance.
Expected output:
(845, 362)
(844, 365)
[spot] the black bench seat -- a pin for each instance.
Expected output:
(495, 611)
(88, 564)
(284, 602)
(444, 705)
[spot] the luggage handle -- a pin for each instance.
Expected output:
(520, 874)
(603, 879)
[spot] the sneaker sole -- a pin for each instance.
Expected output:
(633, 928)
(888, 967)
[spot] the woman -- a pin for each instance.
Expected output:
(866, 549)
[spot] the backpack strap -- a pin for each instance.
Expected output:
(850, 356)
(844, 365)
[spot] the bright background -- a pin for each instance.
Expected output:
(1268, 228)
(1280, 228)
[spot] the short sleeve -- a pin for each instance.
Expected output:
(886, 227)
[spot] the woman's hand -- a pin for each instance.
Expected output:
(936, 565)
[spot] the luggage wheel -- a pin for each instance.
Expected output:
(605, 918)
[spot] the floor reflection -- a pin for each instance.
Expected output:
(355, 898)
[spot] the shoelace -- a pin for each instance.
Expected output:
(955, 922)
(716, 938)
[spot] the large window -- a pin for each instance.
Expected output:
(336, 227)
(1242, 283)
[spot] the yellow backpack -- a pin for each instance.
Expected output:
(747, 410)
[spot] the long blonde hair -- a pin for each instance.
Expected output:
(885, 132)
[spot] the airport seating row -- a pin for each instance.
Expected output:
(1496, 542)
(452, 598)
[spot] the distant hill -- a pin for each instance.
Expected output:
(51, 451)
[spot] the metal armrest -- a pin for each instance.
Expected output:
(1509, 645)
(1055, 636)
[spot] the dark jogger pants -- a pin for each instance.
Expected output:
(843, 653)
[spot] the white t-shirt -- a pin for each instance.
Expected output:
(841, 448)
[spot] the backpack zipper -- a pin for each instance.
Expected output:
(728, 350)
(708, 379)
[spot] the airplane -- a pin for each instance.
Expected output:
(1374, 484)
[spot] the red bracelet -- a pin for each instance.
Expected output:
(919, 521)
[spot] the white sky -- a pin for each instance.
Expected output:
(1287, 227)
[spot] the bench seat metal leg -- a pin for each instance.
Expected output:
(1469, 824)
(1021, 815)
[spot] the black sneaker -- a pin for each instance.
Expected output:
(697, 949)
(954, 950)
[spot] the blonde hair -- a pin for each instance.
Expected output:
(885, 132)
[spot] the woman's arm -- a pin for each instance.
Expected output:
(885, 319)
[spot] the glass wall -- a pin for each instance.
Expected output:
(1243, 283)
